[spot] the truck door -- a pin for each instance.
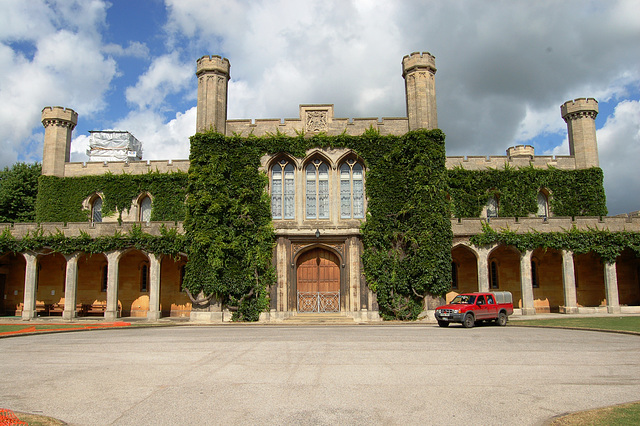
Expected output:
(492, 308)
(481, 307)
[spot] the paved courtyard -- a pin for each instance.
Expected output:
(309, 375)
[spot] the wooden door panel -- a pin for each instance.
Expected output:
(318, 271)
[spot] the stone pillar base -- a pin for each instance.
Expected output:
(568, 309)
(528, 311)
(153, 315)
(29, 315)
(111, 315)
(613, 309)
(364, 316)
(68, 315)
(205, 316)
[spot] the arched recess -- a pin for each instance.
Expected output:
(628, 274)
(542, 200)
(590, 289)
(504, 272)
(12, 269)
(51, 272)
(91, 294)
(464, 270)
(548, 290)
(318, 285)
(93, 204)
(133, 275)
(174, 302)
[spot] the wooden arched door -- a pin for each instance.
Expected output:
(318, 281)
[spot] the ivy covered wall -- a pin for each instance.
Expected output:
(572, 192)
(60, 199)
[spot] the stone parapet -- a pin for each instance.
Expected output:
(472, 226)
(119, 167)
(94, 230)
(481, 162)
(337, 126)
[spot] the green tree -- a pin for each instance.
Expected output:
(18, 191)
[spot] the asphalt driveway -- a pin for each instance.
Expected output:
(310, 375)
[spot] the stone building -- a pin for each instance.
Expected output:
(318, 204)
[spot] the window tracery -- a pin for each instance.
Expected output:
(351, 190)
(317, 190)
(283, 190)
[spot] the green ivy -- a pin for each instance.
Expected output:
(573, 192)
(169, 242)
(606, 244)
(60, 199)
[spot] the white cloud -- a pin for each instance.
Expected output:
(62, 66)
(166, 75)
(134, 49)
(619, 150)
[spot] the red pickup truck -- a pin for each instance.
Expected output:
(467, 308)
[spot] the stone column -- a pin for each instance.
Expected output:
(354, 274)
(70, 286)
(282, 267)
(569, 284)
(611, 285)
(526, 284)
(483, 269)
(113, 260)
(30, 286)
(155, 261)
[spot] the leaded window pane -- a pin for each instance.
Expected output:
(492, 207)
(289, 192)
(542, 205)
(276, 192)
(358, 199)
(311, 191)
(145, 210)
(358, 192)
(96, 210)
(323, 192)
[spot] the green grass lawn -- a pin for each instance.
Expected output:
(625, 323)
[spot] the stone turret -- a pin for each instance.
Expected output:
(213, 78)
(58, 124)
(580, 116)
(418, 71)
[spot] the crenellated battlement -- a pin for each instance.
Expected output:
(575, 108)
(521, 151)
(119, 167)
(60, 116)
(213, 63)
(418, 61)
(482, 162)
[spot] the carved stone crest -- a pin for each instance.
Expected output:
(316, 121)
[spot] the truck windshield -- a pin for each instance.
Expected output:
(464, 299)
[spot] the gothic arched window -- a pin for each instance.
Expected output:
(543, 205)
(96, 210)
(351, 190)
(145, 209)
(283, 190)
(317, 188)
(492, 206)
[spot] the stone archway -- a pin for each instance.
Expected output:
(318, 281)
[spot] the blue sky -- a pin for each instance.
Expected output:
(504, 69)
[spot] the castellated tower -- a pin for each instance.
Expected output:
(580, 116)
(58, 124)
(419, 71)
(213, 77)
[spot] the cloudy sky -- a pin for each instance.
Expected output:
(504, 69)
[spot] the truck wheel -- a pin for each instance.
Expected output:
(443, 323)
(468, 321)
(502, 319)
